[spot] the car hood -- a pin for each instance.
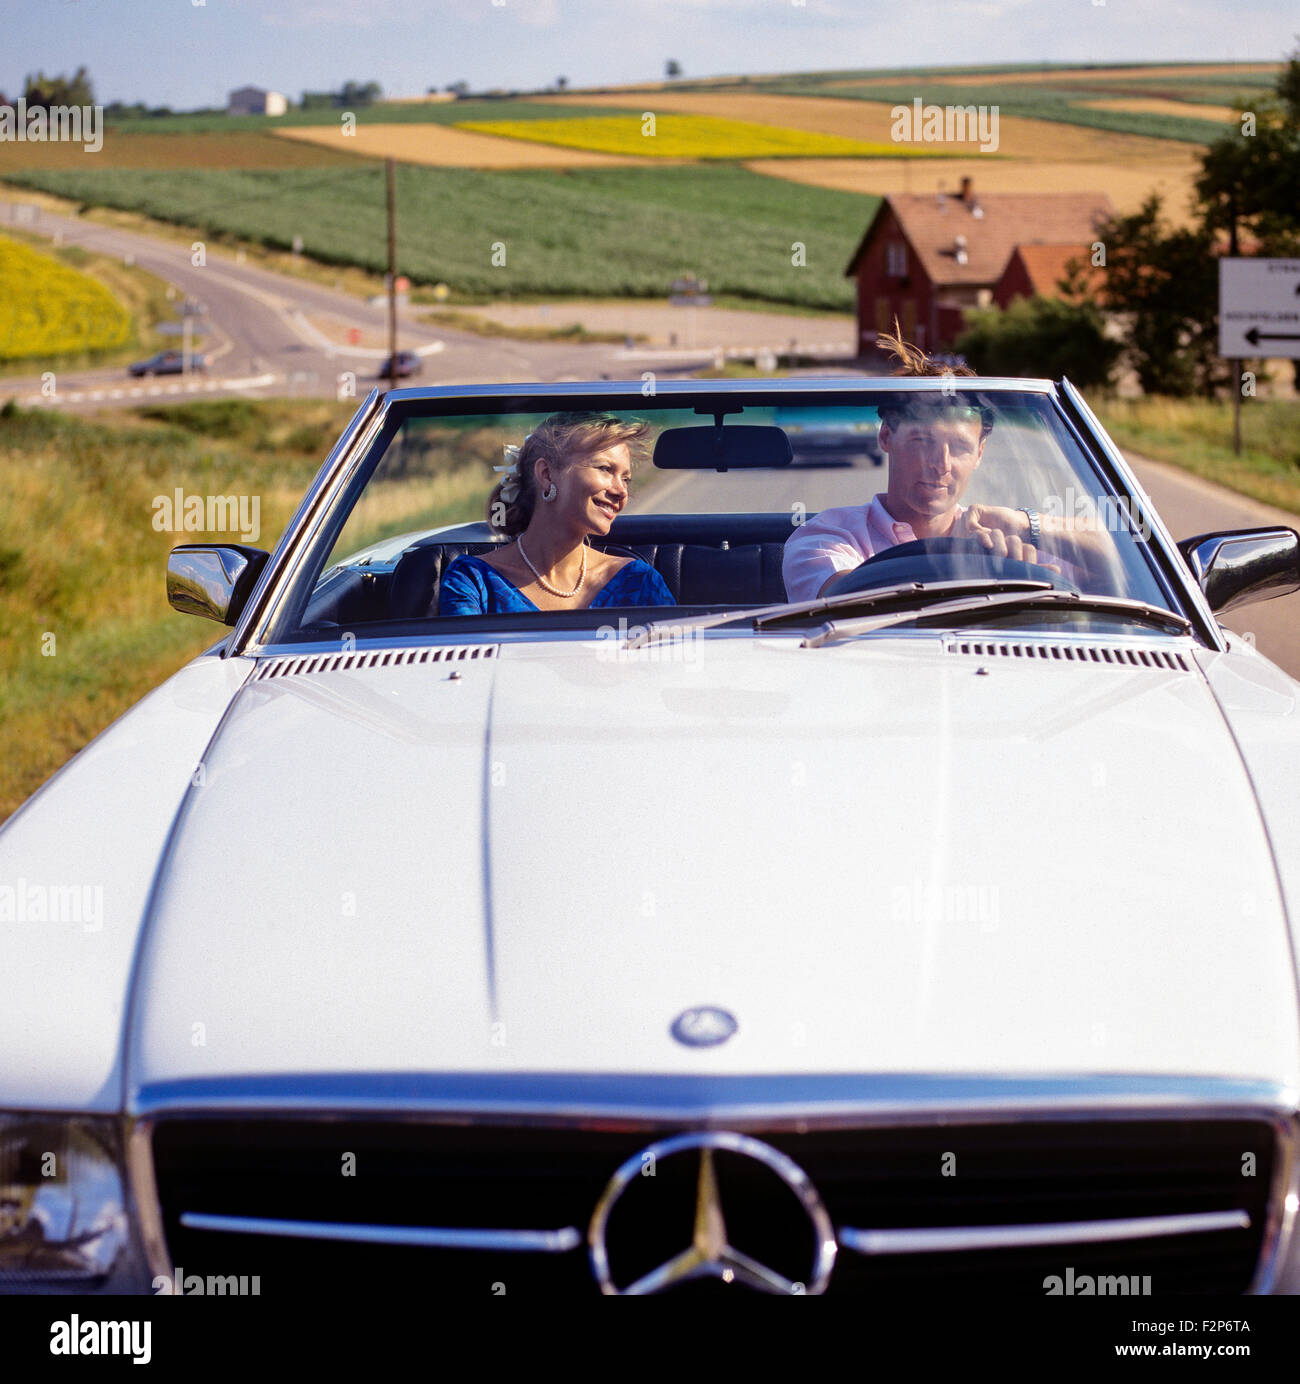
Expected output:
(884, 856)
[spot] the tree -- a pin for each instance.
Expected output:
(561, 83)
(1041, 336)
(358, 93)
(44, 91)
(1166, 283)
(1250, 176)
(673, 68)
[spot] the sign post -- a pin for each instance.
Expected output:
(1259, 316)
(690, 292)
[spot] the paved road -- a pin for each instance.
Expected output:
(1187, 504)
(262, 344)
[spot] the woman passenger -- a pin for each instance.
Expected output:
(568, 482)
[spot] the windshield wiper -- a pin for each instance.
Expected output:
(907, 592)
(1122, 608)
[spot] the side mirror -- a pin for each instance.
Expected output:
(1239, 566)
(213, 580)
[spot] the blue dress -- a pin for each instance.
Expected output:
(471, 586)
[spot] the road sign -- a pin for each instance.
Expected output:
(689, 292)
(1259, 308)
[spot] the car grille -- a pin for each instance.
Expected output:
(359, 1172)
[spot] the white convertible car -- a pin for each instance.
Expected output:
(929, 925)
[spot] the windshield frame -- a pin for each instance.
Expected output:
(299, 558)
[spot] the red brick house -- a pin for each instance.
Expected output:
(1037, 270)
(926, 257)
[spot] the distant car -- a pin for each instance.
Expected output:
(168, 363)
(408, 363)
(824, 437)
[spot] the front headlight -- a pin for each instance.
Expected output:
(63, 1208)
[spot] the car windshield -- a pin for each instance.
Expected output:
(511, 513)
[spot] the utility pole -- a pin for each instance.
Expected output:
(392, 274)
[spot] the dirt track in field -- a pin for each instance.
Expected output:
(1155, 105)
(1126, 186)
(226, 149)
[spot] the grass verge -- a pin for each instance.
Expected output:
(1196, 434)
(87, 628)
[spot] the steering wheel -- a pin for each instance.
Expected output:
(941, 559)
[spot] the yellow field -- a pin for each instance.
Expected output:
(1032, 155)
(239, 149)
(1155, 105)
(871, 121)
(688, 137)
(47, 309)
(445, 146)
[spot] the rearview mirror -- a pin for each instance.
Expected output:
(213, 580)
(1238, 566)
(722, 448)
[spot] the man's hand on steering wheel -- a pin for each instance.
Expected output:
(999, 530)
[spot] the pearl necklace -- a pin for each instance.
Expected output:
(544, 584)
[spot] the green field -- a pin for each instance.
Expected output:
(432, 112)
(588, 232)
(1031, 102)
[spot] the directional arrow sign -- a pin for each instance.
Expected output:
(1259, 308)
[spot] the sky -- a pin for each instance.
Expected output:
(191, 53)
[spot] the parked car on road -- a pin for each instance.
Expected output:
(935, 933)
(168, 363)
(408, 363)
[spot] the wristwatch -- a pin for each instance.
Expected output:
(1035, 528)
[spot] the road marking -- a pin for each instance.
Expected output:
(730, 352)
(365, 352)
(79, 396)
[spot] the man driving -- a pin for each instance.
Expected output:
(934, 443)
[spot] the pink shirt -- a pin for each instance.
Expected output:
(840, 539)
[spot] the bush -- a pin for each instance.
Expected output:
(1040, 337)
